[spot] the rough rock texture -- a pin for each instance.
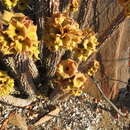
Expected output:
(112, 29)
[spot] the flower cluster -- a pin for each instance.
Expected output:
(87, 47)
(6, 84)
(21, 4)
(62, 32)
(94, 68)
(126, 5)
(18, 35)
(71, 80)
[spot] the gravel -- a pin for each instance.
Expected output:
(76, 113)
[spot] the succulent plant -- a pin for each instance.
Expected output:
(18, 35)
(62, 32)
(69, 77)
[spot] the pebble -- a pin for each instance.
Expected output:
(75, 114)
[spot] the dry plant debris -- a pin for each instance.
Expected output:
(47, 117)
(16, 120)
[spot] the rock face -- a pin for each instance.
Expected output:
(115, 55)
(113, 31)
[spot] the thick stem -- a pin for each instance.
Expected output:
(20, 68)
(49, 59)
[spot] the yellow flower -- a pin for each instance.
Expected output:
(94, 68)
(7, 16)
(4, 44)
(59, 18)
(79, 80)
(96, 64)
(21, 4)
(93, 40)
(67, 68)
(74, 84)
(74, 5)
(76, 92)
(91, 72)
(17, 45)
(6, 84)
(82, 54)
(90, 42)
(87, 47)
(19, 36)
(15, 30)
(9, 4)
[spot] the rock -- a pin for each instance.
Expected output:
(113, 32)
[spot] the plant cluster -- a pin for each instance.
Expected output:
(69, 78)
(87, 46)
(6, 84)
(76, 84)
(18, 35)
(62, 32)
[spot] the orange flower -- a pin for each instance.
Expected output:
(67, 68)
(79, 80)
